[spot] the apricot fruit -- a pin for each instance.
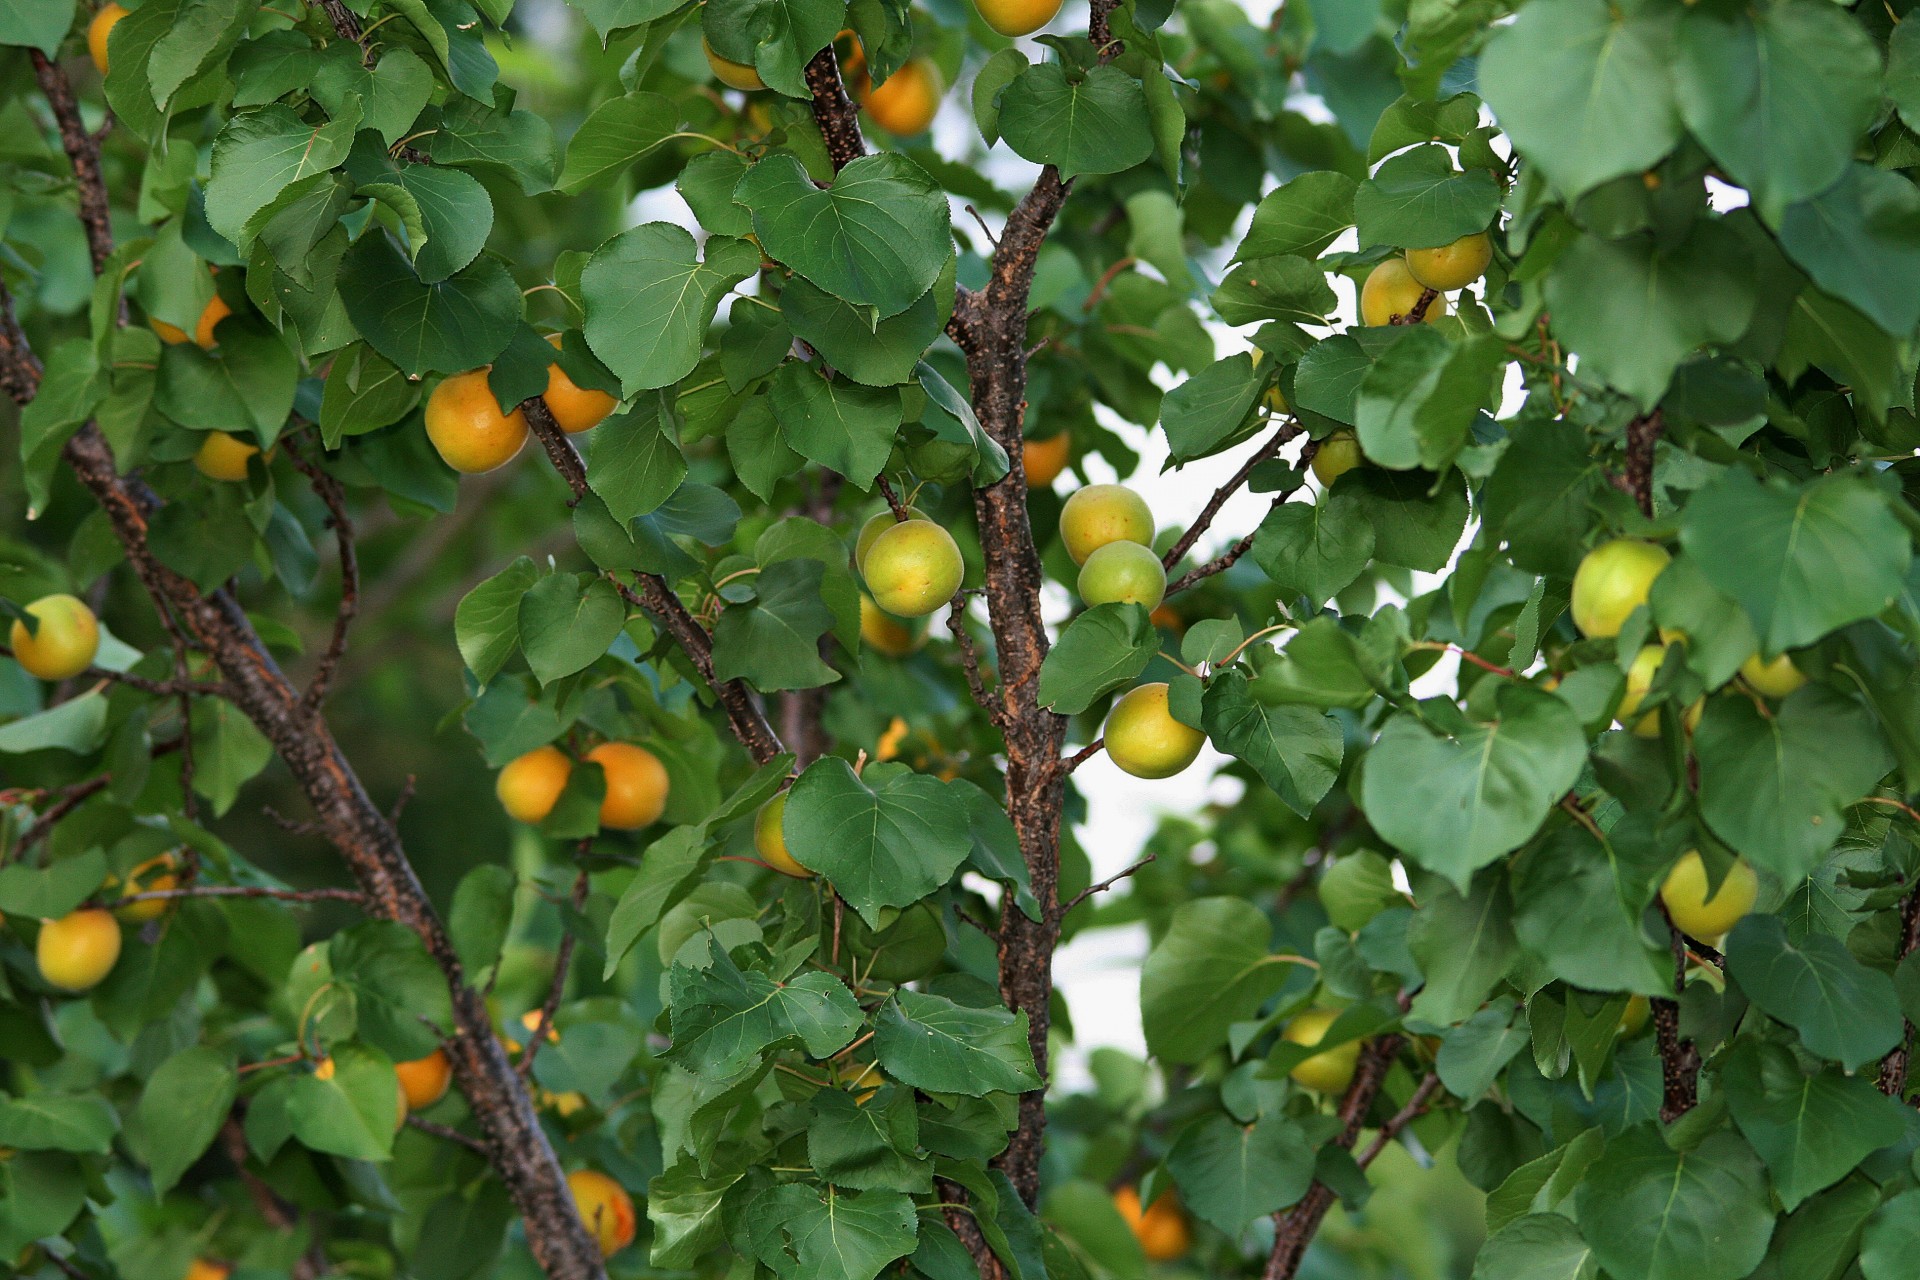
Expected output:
(636, 785)
(884, 633)
(1145, 740)
(605, 1207)
(1699, 915)
(223, 457)
(97, 33)
(1044, 460)
(155, 875)
(1390, 290)
(1097, 514)
(79, 949)
(67, 638)
(1123, 572)
(913, 568)
(1612, 581)
(1161, 1228)
(861, 1079)
(734, 75)
(1338, 454)
(1451, 266)
(770, 839)
(1646, 665)
(424, 1081)
(1774, 679)
(530, 785)
(873, 528)
(211, 315)
(574, 407)
(1017, 17)
(205, 1270)
(467, 428)
(906, 103)
(1330, 1071)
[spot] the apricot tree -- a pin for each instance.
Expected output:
(1568, 683)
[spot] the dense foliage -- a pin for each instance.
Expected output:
(1571, 676)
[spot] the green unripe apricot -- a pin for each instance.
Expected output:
(873, 528)
(907, 949)
(1338, 454)
(1451, 266)
(770, 839)
(1145, 740)
(1101, 513)
(1613, 580)
(913, 568)
(1123, 572)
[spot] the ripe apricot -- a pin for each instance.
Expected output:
(1390, 290)
(574, 407)
(636, 785)
(1017, 17)
(1044, 460)
(1327, 1072)
(1774, 679)
(861, 1079)
(79, 949)
(605, 1207)
(1123, 572)
(1338, 454)
(466, 426)
(734, 75)
(873, 528)
(770, 840)
(65, 643)
(907, 101)
(1612, 581)
(223, 457)
(530, 786)
(1145, 740)
(1161, 1228)
(913, 568)
(424, 1081)
(205, 1270)
(1098, 514)
(155, 875)
(1451, 266)
(1695, 913)
(884, 633)
(97, 33)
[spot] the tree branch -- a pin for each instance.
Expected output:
(562, 962)
(348, 26)
(351, 896)
(1679, 1059)
(1893, 1068)
(1643, 435)
(833, 111)
(83, 152)
(1104, 885)
(1288, 431)
(334, 496)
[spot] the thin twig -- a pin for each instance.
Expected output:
(894, 504)
(1288, 431)
(1416, 1107)
(970, 658)
(1104, 885)
(352, 896)
(449, 1134)
(1084, 754)
(562, 962)
(1679, 1059)
(330, 492)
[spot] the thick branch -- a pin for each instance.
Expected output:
(83, 152)
(833, 111)
(348, 26)
(1679, 1059)
(1893, 1069)
(1643, 434)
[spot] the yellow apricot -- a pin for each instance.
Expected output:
(467, 428)
(734, 75)
(1044, 460)
(1161, 1228)
(1390, 290)
(914, 568)
(636, 785)
(202, 1269)
(223, 457)
(1097, 514)
(770, 839)
(79, 949)
(1145, 740)
(908, 100)
(1613, 580)
(67, 638)
(155, 875)
(1774, 679)
(1338, 454)
(1708, 918)
(1451, 266)
(575, 408)
(884, 633)
(1330, 1071)
(424, 1081)
(530, 786)
(1017, 17)
(605, 1207)
(97, 33)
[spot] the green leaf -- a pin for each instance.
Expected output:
(1453, 802)
(41, 1192)
(364, 392)
(1418, 200)
(1473, 1054)
(1890, 1238)
(58, 1122)
(76, 725)
(1313, 549)
(878, 237)
(481, 916)
(684, 1206)
(518, 143)
(776, 37)
(619, 132)
(870, 1144)
(35, 24)
(1842, 1009)
(724, 1018)
(1209, 970)
(566, 622)
(260, 154)
(72, 385)
(1296, 750)
(1776, 787)
(1663, 300)
(351, 1114)
(1205, 414)
(1540, 1246)
(671, 861)
(1538, 495)
(1107, 646)
(459, 323)
(1417, 403)
(1778, 94)
(1001, 70)
(841, 425)
(773, 641)
(1803, 560)
(885, 838)
(391, 95)
(1859, 240)
(202, 32)
(594, 1052)
(1287, 289)
(1583, 89)
(1810, 1129)
(453, 212)
(1229, 1173)
(49, 892)
(1417, 519)
(1098, 124)
(1652, 1212)
(933, 1044)
(245, 389)
(186, 1100)
(649, 298)
(877, 355)
(1300, 217)
(400, 994)
(486, 623)
(1576, 908)
(636, 463)
(802, 1231)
